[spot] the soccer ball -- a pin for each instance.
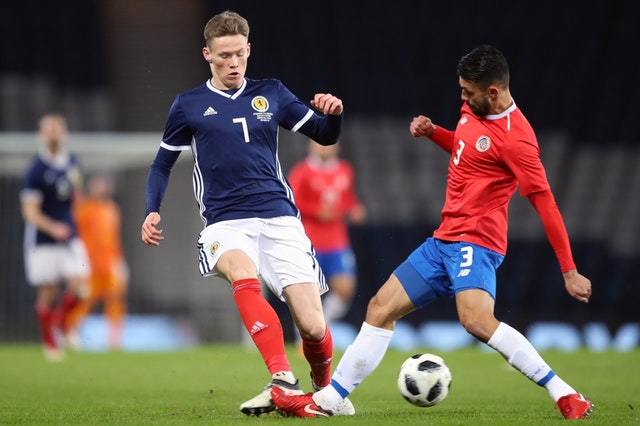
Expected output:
(424, 380)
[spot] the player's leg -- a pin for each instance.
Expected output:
(475, 310)
(291, 270)
(42, 266)
(263, 325)
(258, 317)
(75, 270)
(341, 276)
(76, 291)
(77, 314)
(45, 300)
(305, 306)
(338, 301)
(472, 273)
(230, 249)
(114, 309)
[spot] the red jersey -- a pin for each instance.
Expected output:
(490, 157)
(329, 187)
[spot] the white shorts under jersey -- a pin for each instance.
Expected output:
(278, 247)
(53, 263)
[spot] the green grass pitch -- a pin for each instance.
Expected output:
(206, 385)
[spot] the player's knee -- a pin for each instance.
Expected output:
(477, 324)
(379, 313)
(312, 330)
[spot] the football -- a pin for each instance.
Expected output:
(424, 380)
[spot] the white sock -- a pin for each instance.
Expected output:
(558, 388)
(517, 350)
(334, 307)
(360, 359)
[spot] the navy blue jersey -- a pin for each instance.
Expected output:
(233, 136)
(52, 183)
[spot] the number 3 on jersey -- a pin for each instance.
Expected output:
(456, 159)
(245, 129)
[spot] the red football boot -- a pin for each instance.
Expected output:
(574, 406)
(296, 405)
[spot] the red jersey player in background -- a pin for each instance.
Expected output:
(324, 190)
(493, 151)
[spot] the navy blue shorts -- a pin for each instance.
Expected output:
(439, 268)
(337, 262)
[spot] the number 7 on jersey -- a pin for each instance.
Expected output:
(245, 129)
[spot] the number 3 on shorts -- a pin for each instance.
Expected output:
(467, 261)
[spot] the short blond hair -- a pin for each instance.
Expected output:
(225, 23)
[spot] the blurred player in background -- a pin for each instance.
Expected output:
(492, 151)
(53, 252)
(98, 219)
(252, 230)
(324, 189)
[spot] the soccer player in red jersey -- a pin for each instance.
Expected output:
(493, 151)
(324, 189)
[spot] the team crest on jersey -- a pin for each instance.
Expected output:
(260, 103)
(214, 248)
(483, 143)
(463, 120)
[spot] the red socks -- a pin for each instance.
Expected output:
(45, 319)
(318, 353)
(68, 302)
(262, 323)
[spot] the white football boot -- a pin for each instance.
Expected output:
(262, 404)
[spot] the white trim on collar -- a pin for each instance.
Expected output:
(504, 113)
(226, 95)
(58, 161)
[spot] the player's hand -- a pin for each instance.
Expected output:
(421, 126)
(358, 215)
(578, 286)
(326, 103)
(151, 235)
(60, 231)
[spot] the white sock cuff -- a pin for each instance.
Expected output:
(370, 330)
(497, 335)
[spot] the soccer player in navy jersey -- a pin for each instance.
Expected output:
(492, 152)
(53, 252)
(252, 229)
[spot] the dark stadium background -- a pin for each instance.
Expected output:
(115, 66)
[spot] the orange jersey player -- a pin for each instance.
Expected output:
(98, 221)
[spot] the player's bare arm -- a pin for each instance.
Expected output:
(327, 103)
(150, 233)
(32, 213)
(421, 126)
(577, 285)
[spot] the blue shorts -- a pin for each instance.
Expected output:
(440, 268)
(337, 262)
